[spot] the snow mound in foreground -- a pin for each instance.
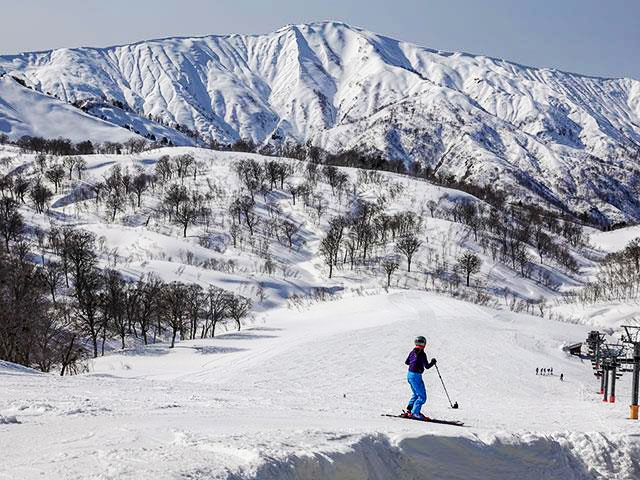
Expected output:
(528, 457)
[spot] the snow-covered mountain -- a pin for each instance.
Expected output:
(570, 139)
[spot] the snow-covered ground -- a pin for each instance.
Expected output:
(615, 240)
(28, 112)
(142, 241)
(299, 392)
(300, 395)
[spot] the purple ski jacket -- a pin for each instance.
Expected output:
(417, 361)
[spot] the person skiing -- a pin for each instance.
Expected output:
(536, 370)
(562, 377)
(418, 363)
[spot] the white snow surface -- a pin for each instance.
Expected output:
(27, 112)
(534, 132)
(615, 240)
(300, 395)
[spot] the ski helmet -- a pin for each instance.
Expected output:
(420, 341)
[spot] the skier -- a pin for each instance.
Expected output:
(536, 370)
(562, 377)
(551, 370)
(418, 363)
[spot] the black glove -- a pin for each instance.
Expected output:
(433, 361)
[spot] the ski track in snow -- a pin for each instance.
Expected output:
(300, 396)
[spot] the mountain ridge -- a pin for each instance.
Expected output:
(487, 121)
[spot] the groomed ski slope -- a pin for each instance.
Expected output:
(299, 395)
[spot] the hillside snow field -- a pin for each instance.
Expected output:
(615, 240)
(142, 240)
(541, 134)
(27, 112)
(300, 395)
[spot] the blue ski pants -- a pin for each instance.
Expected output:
(419, 396)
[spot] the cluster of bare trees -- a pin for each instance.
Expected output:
(350, 239)
(262, 178)
(19, 188)
(64, 146)
(108, 304)
(53, 313)
(512, 234)
(618, 277)
(33, 332)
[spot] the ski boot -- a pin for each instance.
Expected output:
(419, 416)
(406, 413)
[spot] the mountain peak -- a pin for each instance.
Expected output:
(539, 132)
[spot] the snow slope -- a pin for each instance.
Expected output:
(539, 133)
(299, 396)
(615, 240)
(27, 112)
(142, 241)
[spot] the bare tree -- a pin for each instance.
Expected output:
(432, 205)
(114, 304)
(390, 265)
(70, 164)
(238, 308)
(251, 175)
(40, 195)
(470, 264)
(174, 308)
(246, 206)
(176, 196)
(140, 185)
(217, 305)
(79, 252)
(21, 187)
(81, 165)
(330, 244)
(632, 251)
(289, 230)
(11, 223)
(147, 303)
(183, 164)
(196, 301)
(53, 275)
(164, 168)
(186, 214)
(55, 174)
(408, 246)
(88, 301)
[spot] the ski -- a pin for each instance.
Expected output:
(430, 420)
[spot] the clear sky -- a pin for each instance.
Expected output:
(596, 37)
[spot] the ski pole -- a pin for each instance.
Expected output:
(445, 389)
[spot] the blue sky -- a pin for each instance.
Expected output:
(594, 37)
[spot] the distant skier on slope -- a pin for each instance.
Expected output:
(418, 363)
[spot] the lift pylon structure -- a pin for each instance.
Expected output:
(611, 357)
(594, 341)
(632, 337)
